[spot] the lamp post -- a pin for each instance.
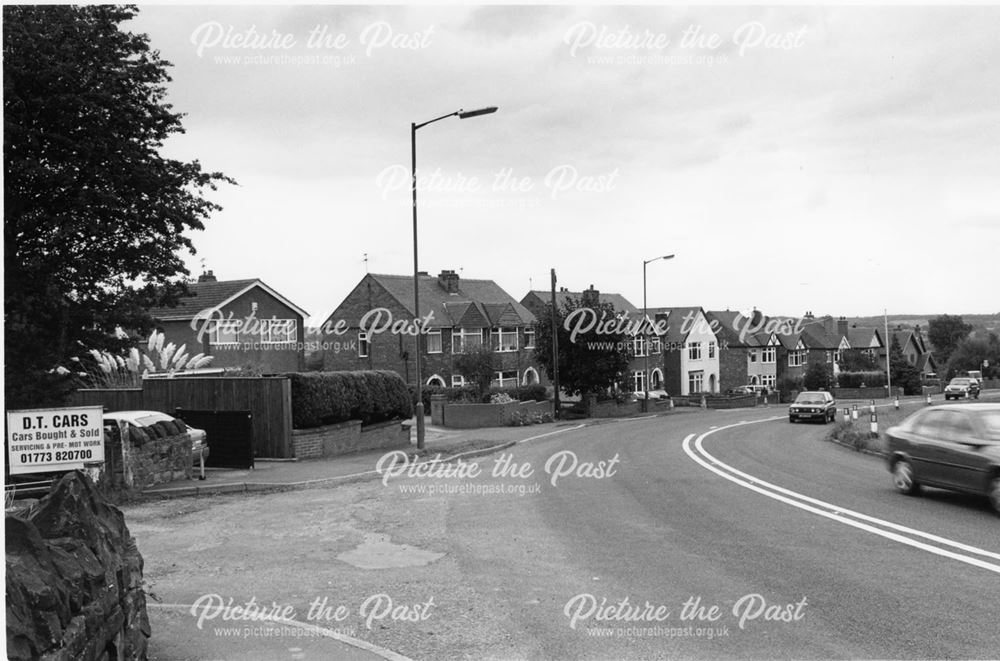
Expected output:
(645, 319)
(461, 114)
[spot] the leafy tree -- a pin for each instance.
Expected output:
(970, 353)
(593, 362)
(945, 332)
(818, 376)
(479, 367)
(856, 360)
(903, 374)
(94, 217)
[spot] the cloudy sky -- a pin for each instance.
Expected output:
(838, 160)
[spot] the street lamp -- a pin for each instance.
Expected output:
(461, 114)
(645, 319)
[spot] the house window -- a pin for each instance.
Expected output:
(434, 341)
(711, 349)
(796, 358)
(655, 345)
(694, 350)
(639, 346)
(696, 381)
(529, 337)
(505, 379)
(753, 355)
(225, 332)
(466, 339)
(278, 331)
(638, 382)
(767, 380)
(503, 339)
(436, 381)
(837, 355)
(363, 344)
(768, 355)
(829, 356)
(457, 380)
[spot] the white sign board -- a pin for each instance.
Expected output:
(43, 440)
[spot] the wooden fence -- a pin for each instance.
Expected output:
(269, 400)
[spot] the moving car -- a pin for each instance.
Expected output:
(813, 405)
(147, 419)
(961, 387)
(951, 446)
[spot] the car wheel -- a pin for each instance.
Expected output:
(902, 478)
(995, 493)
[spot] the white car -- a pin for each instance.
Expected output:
(145, 419)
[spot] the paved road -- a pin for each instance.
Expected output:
(664, 529)
(662, 512)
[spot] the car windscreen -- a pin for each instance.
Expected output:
(991, 423)
(959, 382)
(809, 400)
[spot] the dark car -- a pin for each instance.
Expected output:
(962, 387)
(813, 405)
(952, 446)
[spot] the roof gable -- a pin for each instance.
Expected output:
(209, 297)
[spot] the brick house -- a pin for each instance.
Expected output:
(745, 357)
(812, 343)
(690, 351)
(241, 323)
(458, 314)
(643, 345)
(914, 347)
(869, 341)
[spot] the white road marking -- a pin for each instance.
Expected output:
(834, 512)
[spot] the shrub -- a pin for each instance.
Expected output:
(468, 393)
(856, 379)
(500, 398)
(320, 398)
(818, 377)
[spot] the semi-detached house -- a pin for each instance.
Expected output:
(457, 314)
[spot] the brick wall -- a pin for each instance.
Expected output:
(348, 437)
(473, 416)
(732, 368)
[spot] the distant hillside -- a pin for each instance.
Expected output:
(991, 322)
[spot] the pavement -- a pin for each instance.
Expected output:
(269, 474)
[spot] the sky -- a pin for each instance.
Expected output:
(838, 160)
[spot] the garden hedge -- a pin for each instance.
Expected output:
(323, 398)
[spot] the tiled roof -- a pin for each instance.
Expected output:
(487, 300)
(861, 338)
(816, 336)
(730, 325)
(619, 302)
(212, 294)
(677, 329)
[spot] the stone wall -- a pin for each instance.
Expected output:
(348, 437)
(150, 461)
(74, 579)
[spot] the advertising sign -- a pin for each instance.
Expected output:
(44, 440)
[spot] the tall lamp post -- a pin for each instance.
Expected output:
(645, 319)
(461, 114)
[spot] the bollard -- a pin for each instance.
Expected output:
(671, 403)
(874, 426)
(871, 406)
(847, 414)
(896, 402)
(703, 405)
(854, 412)
(928, 398)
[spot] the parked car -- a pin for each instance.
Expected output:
(951, 446)
(741, 390)
(962, 387)
(653, 394)
(147, 419)
(813, 405)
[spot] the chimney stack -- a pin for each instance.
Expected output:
(842, 326)
(591, 297)
(448, 280)
(207, 276)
